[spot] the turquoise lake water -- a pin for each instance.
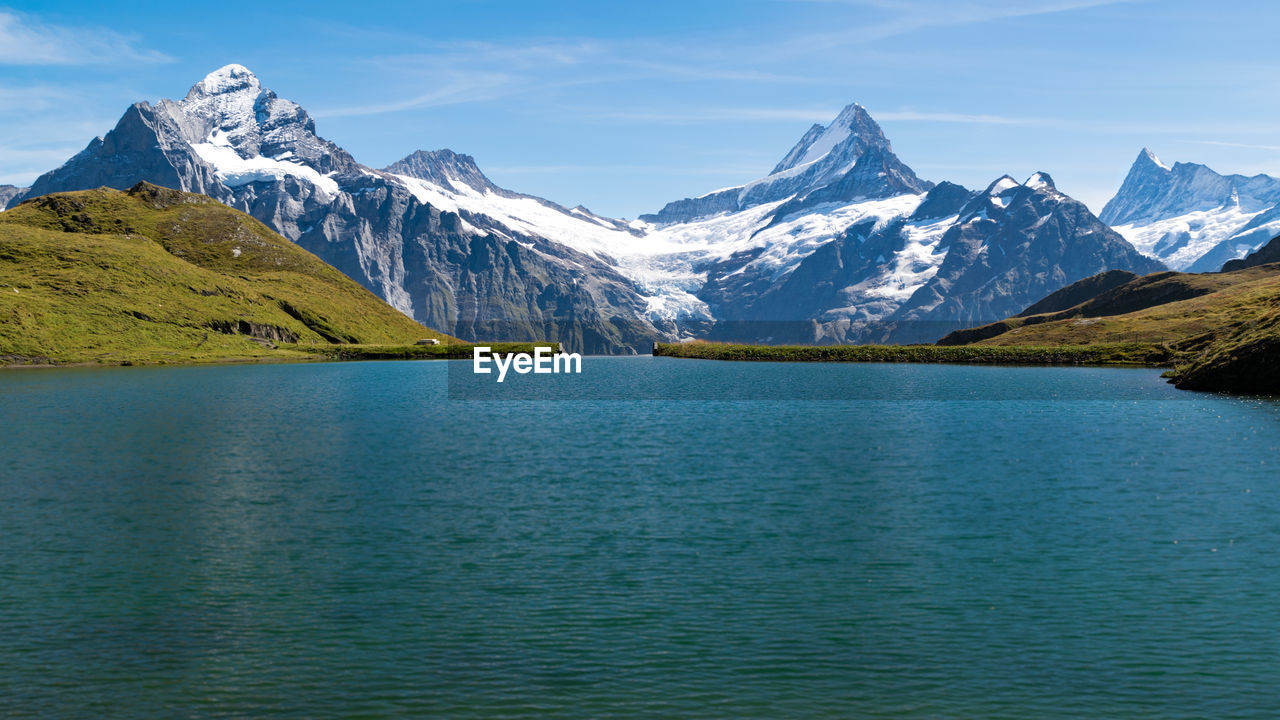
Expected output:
(867, 541)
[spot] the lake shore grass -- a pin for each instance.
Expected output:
(1133, 354)
(279, 354)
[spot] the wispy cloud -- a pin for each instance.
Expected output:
(947, 117)
(692, 116)
(1247, 146)
(25, 100)
(23, 165)
(473, 72)
(900, 17)
(614, 168)
(25, 40)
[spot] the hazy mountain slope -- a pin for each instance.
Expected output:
(1269, 253)
(1191, 217)
(157, 274)
(8, 193)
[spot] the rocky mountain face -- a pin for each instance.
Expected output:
(841, 242)
(1190, 217)
(426, 240)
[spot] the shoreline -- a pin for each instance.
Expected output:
(1126, 354)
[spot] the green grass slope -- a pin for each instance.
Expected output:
(1220, 330)
(156, 275)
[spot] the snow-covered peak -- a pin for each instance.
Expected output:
(226, 79)
(822, 158)
(226, 99)
(852, 130)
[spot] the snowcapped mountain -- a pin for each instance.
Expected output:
(431, 235)
(1191, 217)
(823, 156)
(841, 242)
(836, 266)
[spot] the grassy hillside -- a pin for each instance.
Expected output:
(157, 275)
(1221, 330)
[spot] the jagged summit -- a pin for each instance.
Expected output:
(1148, 157)
(820, 160)
(849, 135)
(443, 167)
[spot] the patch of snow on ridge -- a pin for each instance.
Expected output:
(826, 142)
(235, 171)
(915, 264)
(792, 240)
(527, 216)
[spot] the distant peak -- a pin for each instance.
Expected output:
(849, 113)
(1002, 183)
(1146, 156)
(444, 157)
(847, 137)
(1040, 181)
(226, 79)
(443, 166)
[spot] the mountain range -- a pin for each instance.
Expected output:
(841, 242)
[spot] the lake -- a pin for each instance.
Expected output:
(655, 537)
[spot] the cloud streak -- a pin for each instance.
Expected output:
(906, 16)
(1247, 146)
(27, 41)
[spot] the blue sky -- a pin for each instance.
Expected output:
(624, 106)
